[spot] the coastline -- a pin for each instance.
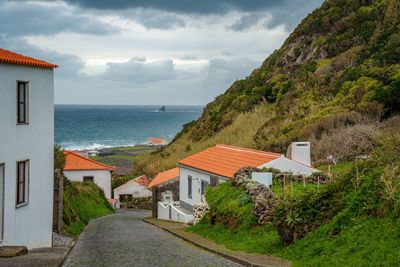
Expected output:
(121, 157)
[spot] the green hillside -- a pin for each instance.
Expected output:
(335, 78)
(352, 221)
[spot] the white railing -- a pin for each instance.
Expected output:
(170, 211)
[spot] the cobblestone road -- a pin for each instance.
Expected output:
(124, 239)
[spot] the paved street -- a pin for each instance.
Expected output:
(124, 239)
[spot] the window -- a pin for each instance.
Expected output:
(22, 102)
(22, 182)
(204, 185)
(190, 186)
(88, 179)
(213, 181)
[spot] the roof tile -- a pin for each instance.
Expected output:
(74, 162)
(164, 177)
(226, 160)
(18, 59)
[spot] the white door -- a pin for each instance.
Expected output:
(1, 200)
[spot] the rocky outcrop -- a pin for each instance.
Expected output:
(262, 197)
(199, 211)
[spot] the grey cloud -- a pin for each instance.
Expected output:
(221, 73)
(140, 71)
(69, 65)
(183, 6)
(291, 14)
(282, 12)
(32, 18)
(248, 20)
(154, 19)
(189, 57)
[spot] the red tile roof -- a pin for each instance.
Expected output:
(75, 162)
(164, 177)
(226, 160)
(157, 141)
(18, 59)
(141, 180)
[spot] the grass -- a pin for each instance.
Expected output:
(82, 202)
(364, 232)
(368, 242)
(298, 189)
(239, 133)
(339, 169)
(263, 240)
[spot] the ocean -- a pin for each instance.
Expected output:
(79, 127)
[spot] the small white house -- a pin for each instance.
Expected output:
(137, 188)
(220, 163)
(165, 187)
(82, 169)
(26, 150)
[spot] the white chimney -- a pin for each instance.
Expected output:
(300, 152)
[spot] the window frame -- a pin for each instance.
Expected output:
(203, 187)
(25, 183)
(26, 103)
(190, 186)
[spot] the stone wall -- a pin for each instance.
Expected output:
(199, 210)
(262, 197)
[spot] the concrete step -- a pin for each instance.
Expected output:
(12, 251)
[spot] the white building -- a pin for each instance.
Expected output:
(82, 169)
(26, 150)
(220, 163)
(136, 188)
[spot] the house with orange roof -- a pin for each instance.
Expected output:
(81, 169)
(26, 150)
(165, 188)
(152, 141)
(135, 188)
(220, 163)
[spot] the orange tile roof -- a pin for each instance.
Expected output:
(18, 59)
(226, 160)
(141, 180)
(164, 177)
(157, 141)
(75, 162)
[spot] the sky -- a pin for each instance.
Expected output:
(148, 52)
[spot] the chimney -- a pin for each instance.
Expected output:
(300, 152)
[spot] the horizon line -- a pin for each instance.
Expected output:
(158, 105)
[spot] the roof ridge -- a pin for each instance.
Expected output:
(248, 150)
(7, 56)
(132, 181)
(91, 160)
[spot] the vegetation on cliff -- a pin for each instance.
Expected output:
(336, 75)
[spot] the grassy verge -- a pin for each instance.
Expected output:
(82, 202)
(354, 221)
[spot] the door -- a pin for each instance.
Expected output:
(1, 200)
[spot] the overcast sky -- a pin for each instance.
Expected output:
(143, 52)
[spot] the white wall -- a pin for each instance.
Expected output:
(163, 211)
(30, 225)
(132, 188)
(101, 177)
(197, 177)
(287, 165)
